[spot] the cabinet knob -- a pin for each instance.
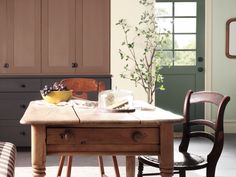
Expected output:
(74, 65)
(23, 85)
(23, 106)
(22, 133)
(6, 65)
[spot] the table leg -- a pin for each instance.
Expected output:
(38, 150)
(130, 166)
(166, 149)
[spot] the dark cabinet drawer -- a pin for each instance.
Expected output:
(19, 85)
(18, 135)
(13, 105)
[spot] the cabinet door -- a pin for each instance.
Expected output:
(3, 34)
(20, 36)
(95, 38)
(58, 36)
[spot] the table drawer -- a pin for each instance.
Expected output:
(103, 140)
(102, 136)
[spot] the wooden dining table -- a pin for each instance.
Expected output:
(71, 129)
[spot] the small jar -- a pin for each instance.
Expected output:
(110, 99)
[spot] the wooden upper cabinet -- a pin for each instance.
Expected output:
(75, 36)
(96, 37)
(58, 36)
(20, 36)
(55, 37)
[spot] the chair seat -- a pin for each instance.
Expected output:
(7, 159)
(182, 161)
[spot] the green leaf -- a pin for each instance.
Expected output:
(131, 45)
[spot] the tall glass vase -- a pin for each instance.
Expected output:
(149, 96)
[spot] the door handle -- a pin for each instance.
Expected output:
(200, 69)
(200, 59)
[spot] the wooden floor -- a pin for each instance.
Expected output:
(86, 166)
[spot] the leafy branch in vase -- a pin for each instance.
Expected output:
(143, 44)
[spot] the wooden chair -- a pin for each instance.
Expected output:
(183, 160)
(84, 88)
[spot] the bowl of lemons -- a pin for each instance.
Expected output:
(56, 93)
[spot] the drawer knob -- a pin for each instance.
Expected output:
(6, 65)
(23, 106)
(23, 85)
(22, 133)
(137, 136)
(74, 65)
(66, 135)
(83, 142)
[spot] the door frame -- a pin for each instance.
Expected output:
(208, 52)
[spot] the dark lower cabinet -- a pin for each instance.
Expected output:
(15, 95)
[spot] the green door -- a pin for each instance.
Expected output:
(184, 52)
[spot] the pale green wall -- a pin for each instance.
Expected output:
(223, 68)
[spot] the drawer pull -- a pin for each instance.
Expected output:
(66, 135)
(83, 142)
(6, 65)
(74, 65)
(23, 85)
(22, 133)
(137, 136)
(23, 106)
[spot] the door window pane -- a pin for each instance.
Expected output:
(185, 25)
(185, 9)
(185, 41)
(163, 8)
(185, 58)
(180, 19)
(165, 58)
(168, 42)
(164, 25)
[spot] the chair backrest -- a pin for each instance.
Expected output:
(217, 126)
(82, 87)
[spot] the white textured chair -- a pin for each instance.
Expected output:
(7, 159)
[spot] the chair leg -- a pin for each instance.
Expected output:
(140, 169)
(69, 163)
(116, 167)
(211, 170)
(182, 173)
(60, 166)
(101, 165)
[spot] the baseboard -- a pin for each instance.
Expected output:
(230, 127)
